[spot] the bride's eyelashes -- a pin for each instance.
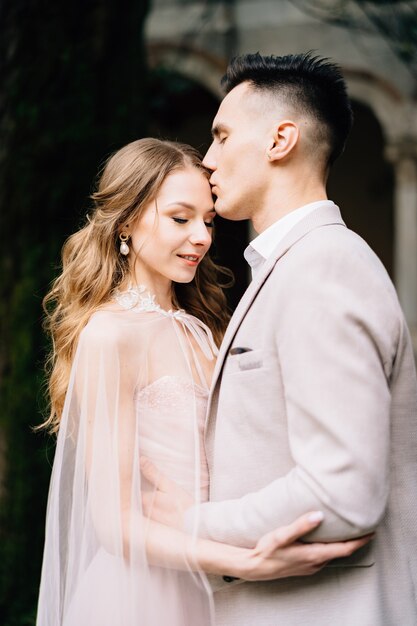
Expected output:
(182, 220)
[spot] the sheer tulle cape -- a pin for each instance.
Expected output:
(138, 387)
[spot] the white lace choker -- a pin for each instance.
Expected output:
(139, 298)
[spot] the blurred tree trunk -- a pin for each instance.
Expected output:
(73, 90)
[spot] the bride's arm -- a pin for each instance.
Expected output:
(279, 554)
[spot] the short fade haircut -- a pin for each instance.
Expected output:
(312, 85)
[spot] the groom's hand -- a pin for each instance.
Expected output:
(168, 502)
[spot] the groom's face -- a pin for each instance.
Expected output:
(237, 156)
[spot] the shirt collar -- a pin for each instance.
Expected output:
(264, 244)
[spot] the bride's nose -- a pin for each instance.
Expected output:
(200, 235)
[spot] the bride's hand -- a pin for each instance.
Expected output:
(280, 554)
(168, 502)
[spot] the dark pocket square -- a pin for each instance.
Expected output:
(233, 351)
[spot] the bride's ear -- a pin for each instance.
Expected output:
(283, 141)
(124, 228)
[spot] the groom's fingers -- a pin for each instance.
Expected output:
(149, 471)
(154, 475)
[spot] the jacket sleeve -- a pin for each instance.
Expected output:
(336, 335)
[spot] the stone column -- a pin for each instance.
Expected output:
(403, 155)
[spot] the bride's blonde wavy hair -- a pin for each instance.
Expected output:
(92, 266)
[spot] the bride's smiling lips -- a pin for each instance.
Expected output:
(190, 259)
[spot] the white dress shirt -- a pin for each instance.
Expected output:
(264, 244)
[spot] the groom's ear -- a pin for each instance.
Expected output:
(283, 140)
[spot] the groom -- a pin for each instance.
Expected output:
(314, 398)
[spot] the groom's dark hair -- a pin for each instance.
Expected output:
(310, 84)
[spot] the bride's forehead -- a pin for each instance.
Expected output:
(190, 192)
(185, 182)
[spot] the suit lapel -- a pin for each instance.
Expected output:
(322, 216)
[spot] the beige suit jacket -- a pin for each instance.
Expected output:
(320, 413)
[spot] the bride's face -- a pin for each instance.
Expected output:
(174, 232)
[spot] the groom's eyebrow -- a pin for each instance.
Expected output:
(218, 129)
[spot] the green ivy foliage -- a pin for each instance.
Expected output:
(74, 86)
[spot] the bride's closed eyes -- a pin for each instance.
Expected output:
(183, 220)
(182, 212)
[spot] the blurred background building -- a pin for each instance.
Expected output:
(375, 182)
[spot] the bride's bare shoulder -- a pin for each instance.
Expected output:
(107, 324)
(112, 324)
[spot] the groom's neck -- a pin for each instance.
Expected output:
(284, 195)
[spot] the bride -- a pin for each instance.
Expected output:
(136, 317)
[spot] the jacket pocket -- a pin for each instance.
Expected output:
(251, 360)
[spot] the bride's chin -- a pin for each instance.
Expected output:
(184, 281)
(184, 277)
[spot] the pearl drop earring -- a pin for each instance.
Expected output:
(124, 248)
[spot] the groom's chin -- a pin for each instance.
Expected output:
(226, 211)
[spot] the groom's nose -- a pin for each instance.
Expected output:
(209, 160)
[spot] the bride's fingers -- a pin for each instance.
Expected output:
(287, 535)
(324, 552)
